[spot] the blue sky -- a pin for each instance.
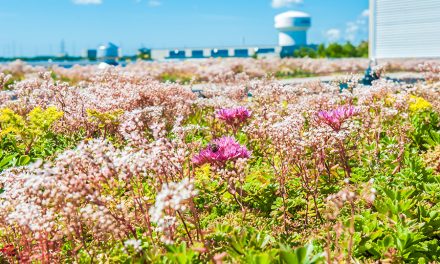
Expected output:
(31, 27)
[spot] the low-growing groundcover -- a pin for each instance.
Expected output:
(124, 169)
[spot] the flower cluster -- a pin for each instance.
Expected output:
(171, 199)
(336, 117)
(432, 158)
(135, 244)
(234, 116)
(418, 104)
(116, 174)
(220, 151)
(431, 71)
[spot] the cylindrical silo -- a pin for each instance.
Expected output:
(292, 27)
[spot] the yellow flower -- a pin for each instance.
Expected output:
(418, 104)
(390, 100)
(28, 128)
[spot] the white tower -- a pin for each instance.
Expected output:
(293, 26)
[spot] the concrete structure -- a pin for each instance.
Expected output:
(404, 29)
(292, 27)
(159, 54)
(108, 52)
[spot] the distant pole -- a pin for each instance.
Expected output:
(62, 48)
(13, 49)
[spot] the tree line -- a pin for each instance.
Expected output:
(334, 50)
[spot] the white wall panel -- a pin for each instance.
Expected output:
(404, 28)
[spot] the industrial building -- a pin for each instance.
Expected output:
(109, 52)
(91, 54)
(292, 27)
(404, 29)
(218, 52)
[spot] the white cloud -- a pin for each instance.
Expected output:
(366, 13)
(357, 30)
(87, 2)
(154, 3)
(333, 34)
(283, 3)
(351, 31)
(354, 31)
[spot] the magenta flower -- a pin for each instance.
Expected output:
(221, 150)
(336, 117)
(233, 116)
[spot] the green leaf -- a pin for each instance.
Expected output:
(5, 161)
(24, 159)
(387, 241)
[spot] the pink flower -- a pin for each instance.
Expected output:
(336, 117)
(221, 150)
(233, 116)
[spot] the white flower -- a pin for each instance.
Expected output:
(170, 199)
(135, 244)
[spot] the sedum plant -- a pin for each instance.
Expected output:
(26, 136)
(118, 167)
